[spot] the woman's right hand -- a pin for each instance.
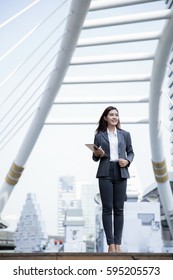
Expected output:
(99, 152)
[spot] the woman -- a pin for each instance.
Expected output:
(115, 153)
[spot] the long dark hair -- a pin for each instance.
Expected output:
(102, 124)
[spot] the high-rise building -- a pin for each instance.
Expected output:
(66, 199)
(77, 195)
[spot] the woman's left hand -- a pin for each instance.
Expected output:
(123, 162)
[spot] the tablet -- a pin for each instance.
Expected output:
(92, 147)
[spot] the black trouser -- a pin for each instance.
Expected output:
(113, 195)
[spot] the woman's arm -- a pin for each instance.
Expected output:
(98, 151)
(129, 148)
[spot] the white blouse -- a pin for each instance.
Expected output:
(113, 142)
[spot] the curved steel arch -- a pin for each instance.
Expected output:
(158, 160)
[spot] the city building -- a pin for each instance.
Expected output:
(88, 192)
(66, 199)
(74, 231)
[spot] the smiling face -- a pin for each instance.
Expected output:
(112, 118)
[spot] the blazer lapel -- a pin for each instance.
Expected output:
(120, 139)
(105, 135)
(119, 136)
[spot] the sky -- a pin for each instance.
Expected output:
(60, 150)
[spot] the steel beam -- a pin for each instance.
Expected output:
(109, 100)
(109, 4)
(157, 150)
(112, 58)
(117, 39)
(89, 121)
(107, 79)
(127, 19)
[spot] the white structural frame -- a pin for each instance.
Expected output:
(158, 159)
(77, 14)
(127, 19)
(116, 99)
(108, 4)
(107, 79)
(116, 39)
(89, 121)
(112, 58)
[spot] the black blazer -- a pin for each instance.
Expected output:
(125, 151)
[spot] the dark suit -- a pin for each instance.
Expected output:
(113, 182)
(125, 151)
